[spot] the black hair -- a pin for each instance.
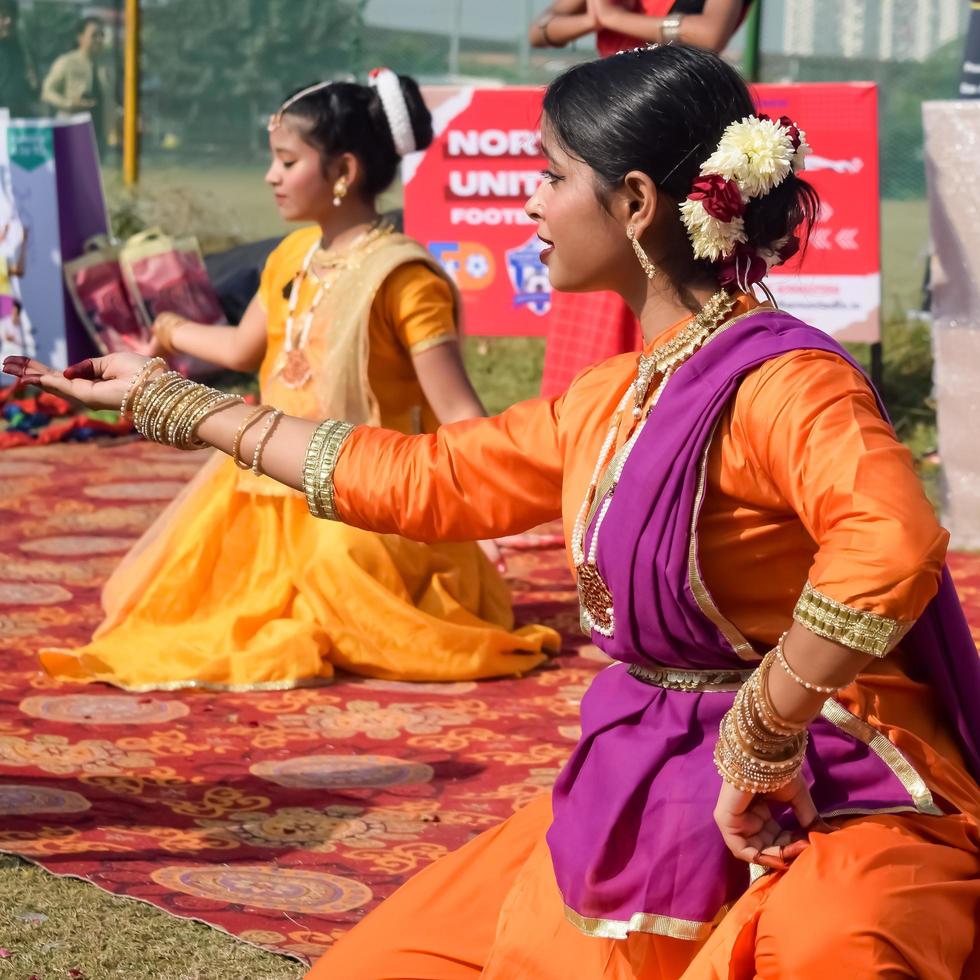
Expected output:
(84, 22)
(346, 117)
(662, 111)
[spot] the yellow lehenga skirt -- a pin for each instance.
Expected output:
(240, 590)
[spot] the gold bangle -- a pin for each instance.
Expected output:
(139, 379)
(784, 663)
(264, 437)
(164, 332)
(247, 423)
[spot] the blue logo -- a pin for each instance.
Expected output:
(529, 277)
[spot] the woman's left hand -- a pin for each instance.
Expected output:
(98, 382)
(750, 832)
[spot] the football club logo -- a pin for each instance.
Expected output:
(529, 277)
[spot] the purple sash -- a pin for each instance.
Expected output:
(633, 841)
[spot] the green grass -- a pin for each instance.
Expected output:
(52, 926)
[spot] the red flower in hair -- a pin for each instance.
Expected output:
(743, 268)
(792, 129)
(720, 197)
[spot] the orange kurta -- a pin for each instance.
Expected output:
(237, 586)
(804, 482)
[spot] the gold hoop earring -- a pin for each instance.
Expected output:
(649, 269)
(339, 191)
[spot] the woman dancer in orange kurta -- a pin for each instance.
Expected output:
(585, 329)
(235, 585)
(777, 775)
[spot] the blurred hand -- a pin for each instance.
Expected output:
(750, 832)
(145, 348)
(82, 104)
(494, 555)
(600, 10)
(98, 382)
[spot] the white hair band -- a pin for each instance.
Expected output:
(389, 90)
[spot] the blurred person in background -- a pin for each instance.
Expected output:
(588, 327)
(79, 82)
(18, 81)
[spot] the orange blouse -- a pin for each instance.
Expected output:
(804, 482)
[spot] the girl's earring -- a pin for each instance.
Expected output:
(649, 269)
(339, 191)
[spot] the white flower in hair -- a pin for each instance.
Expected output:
(758, 153)
(712, 238)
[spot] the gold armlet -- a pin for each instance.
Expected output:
(322, 455)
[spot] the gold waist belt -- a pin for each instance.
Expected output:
(693, 681)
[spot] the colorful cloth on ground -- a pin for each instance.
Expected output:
(279, 817)
(843, 510)
(47, 419)
(237, 586)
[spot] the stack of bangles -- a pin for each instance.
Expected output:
(167, 408)
(759, 751)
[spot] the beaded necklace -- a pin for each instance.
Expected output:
(595, 599)
(293, 367)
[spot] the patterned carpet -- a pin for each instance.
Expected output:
(282, 818)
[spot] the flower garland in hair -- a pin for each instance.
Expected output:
(755, 155)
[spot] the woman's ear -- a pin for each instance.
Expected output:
(638, 200)
(348, 168)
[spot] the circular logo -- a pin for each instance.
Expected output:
(342, 772)
(103, 709)
(26, 800)
(283, 889)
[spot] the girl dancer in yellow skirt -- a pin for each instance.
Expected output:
(235, 585)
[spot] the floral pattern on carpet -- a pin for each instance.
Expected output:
(282, 818)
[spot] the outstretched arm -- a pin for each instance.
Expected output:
(474, 479)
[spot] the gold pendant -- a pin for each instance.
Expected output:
(595, 599)
(294, 369)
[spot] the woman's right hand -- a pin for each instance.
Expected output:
(98, 382)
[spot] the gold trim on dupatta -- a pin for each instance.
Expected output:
(659, 925)
(834, 712)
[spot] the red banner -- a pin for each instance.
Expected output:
(465, 196)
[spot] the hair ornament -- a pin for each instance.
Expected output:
(275, 120)
(754, 156)
(389, 90)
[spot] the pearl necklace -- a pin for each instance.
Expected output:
(595, 599)
(293, 368)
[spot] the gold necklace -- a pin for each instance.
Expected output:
(595, 599)
(292, 366)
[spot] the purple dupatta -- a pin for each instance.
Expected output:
(633, 841)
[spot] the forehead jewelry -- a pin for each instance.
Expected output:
(275, 120)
